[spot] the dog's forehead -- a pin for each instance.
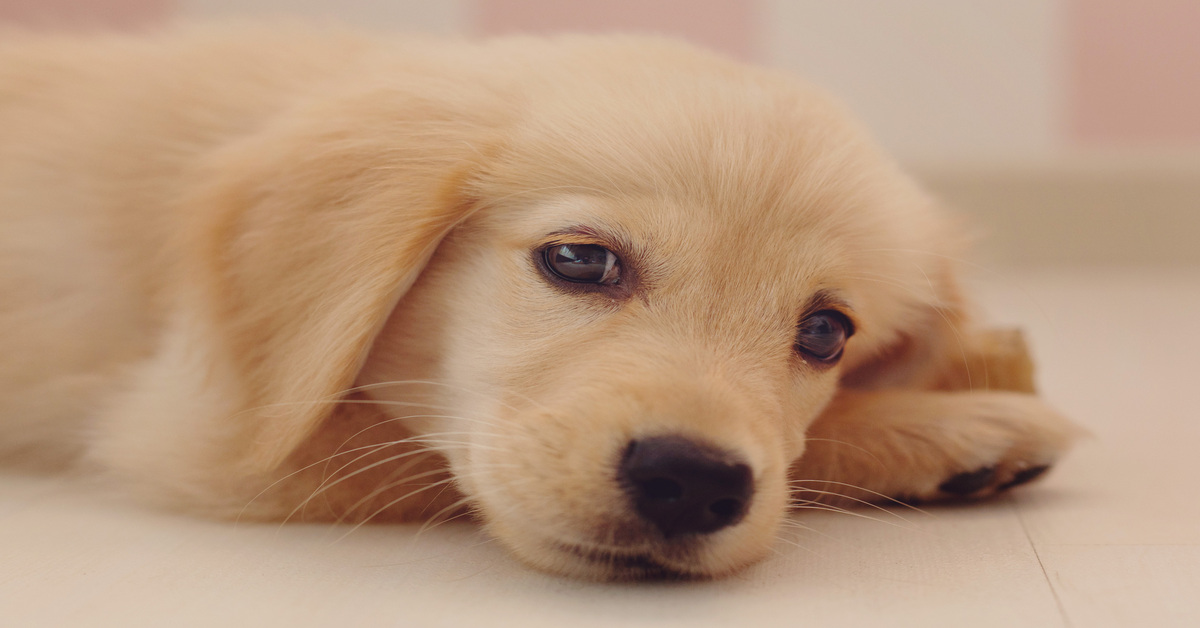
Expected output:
(720, 158)
(737, 189)
(762, 194)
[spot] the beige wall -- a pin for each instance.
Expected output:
(1107, 211)
(1068, 129)
(426, 16)
(938, 80)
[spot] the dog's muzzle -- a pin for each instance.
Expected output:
(685, 487)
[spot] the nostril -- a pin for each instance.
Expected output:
(728, 508)
(685, 487)
(663, 489)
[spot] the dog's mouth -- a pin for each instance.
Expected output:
(677, 509)
(628, 563)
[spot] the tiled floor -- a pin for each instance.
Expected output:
(1111, 538)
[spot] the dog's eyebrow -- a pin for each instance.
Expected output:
(583, 231)
(614, 239)
(826, 300)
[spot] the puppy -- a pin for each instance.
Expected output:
(622, 301)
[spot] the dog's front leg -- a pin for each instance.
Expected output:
(956, 440)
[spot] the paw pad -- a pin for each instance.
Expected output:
(1024, 476)
(972, 483)
(969, 482)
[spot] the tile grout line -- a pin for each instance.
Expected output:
(1062, 610)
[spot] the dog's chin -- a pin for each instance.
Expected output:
(687, 558)
(597, 562)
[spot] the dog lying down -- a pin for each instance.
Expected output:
(622, 301)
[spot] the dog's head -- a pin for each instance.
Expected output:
(613, 282)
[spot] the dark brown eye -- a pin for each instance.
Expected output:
(583, 263)
(823, 335)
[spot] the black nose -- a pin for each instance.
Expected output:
(685, 487)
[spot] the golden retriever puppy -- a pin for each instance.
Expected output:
(621, 300)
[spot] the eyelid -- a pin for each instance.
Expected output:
(824, 300)
(583, 235)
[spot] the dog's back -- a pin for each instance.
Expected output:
(97, 139)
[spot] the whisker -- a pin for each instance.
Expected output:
(797, 545)
(416, 438)
(392, 503)
(391, 483)
(852, 445)
(326, 485)
(795, 483)
(843, 511)
(434, 519)
(856, 500)
(303, 469)
(788, 522)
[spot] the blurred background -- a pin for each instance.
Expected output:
(1068, 129)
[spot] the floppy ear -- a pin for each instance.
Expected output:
(317, 230)
(301, 240)
(926, 344)
(941, 348)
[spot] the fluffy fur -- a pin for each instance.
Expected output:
(287, 273)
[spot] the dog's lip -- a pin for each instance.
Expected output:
(628, 562)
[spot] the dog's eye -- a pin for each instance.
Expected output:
(583, 263)
(823, 335)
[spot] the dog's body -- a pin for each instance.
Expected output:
(272, 274)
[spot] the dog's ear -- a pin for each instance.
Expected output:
(309, 235)
(939, 346)
(924, 342)
(301, 238)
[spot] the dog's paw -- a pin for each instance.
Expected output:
(978, 484)
(998, 442)
(922, 446)
(974, 481)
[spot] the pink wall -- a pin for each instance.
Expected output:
(1130, 70)
(730, 26)
(84, 13)
(1135, 72)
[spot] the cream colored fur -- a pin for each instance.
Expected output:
(287, 273)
